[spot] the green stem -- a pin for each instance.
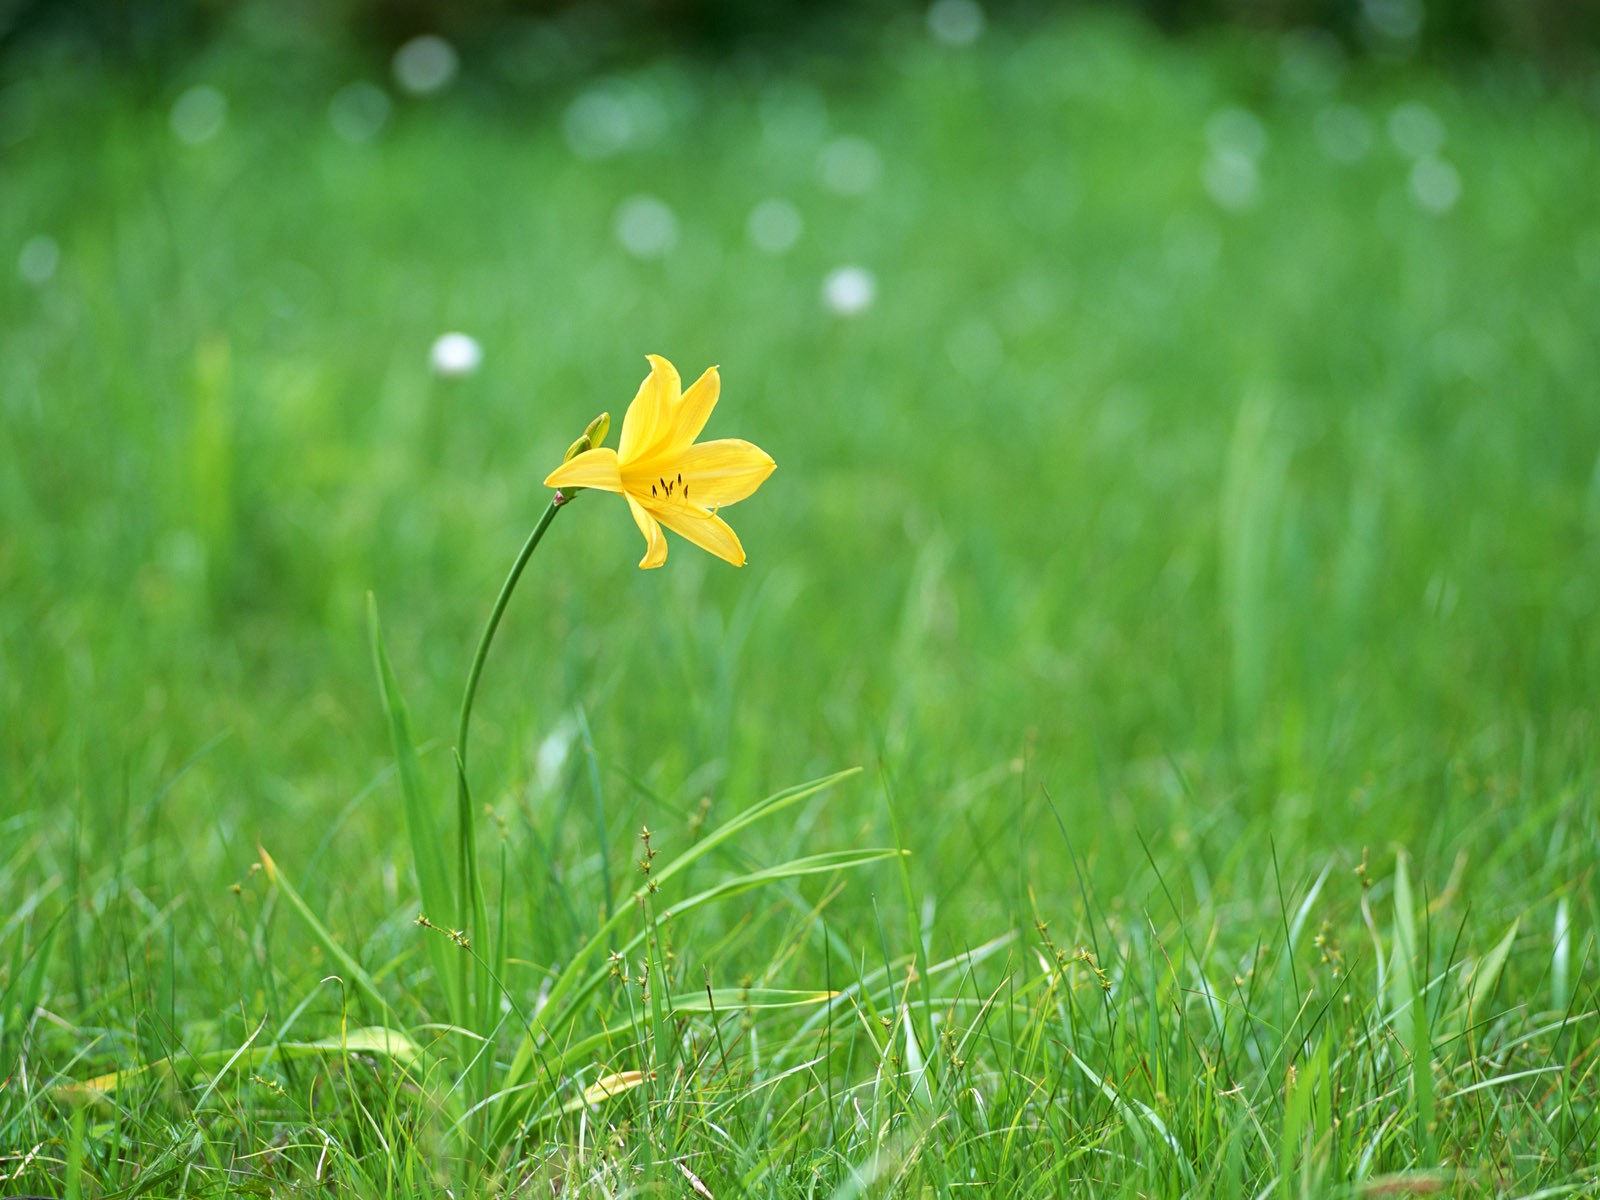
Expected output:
(471, 896)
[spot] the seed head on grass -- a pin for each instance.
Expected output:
(455, 935)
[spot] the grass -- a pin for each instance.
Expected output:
(1196, 543)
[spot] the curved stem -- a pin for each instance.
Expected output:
(493, 623)
(471, 912)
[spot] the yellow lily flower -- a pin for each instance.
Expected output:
(666, 478)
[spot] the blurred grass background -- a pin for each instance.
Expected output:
(1200, 440)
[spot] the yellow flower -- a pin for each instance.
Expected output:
(665, 477)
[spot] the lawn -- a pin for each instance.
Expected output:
(1187, 518)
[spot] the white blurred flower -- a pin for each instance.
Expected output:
(645, 226)
(849, 291)
(850, 166)
(1435, 185)
(359, 111)
(955, 22)
(39, 259)
(551, 755)
(425, 64)
(199, 114)
(774, 226)
(455, 355)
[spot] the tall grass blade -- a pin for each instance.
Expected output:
(23, 994)
(1410, 1001)
(353, 972)
(427, 849)
(1487, 974)
(1561, 958)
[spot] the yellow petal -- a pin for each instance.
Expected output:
(608, 1086)
(648, 418)
(722, 472)
(595, 468)
(655, 551)
(704, 530)
(693, 410)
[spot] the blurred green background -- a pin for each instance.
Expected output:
(1224, 402)
(1567, 31)
(1196, 434)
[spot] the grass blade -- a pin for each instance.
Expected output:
(1487, 974)
(354, 973)
(427, 849)
(372, 1039)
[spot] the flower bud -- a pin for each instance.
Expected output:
(593, 436)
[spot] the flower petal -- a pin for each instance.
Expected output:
(595, 468)
(723, 471)
(655, 551)
(648, 419)
(693, 410)
(710, 533)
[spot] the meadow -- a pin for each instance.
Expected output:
(1187, 519)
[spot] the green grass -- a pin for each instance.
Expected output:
(1208, 595)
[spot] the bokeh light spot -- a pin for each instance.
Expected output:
(1393, 20)
(1312, 63)
(199, 114)
(39, 259)
(850, 166)
(1416, 130)
(455, 354)
(597, 124)
(359, 111)
(611, 117)
(955, 22)
(774, 226)
(1435, 185)
(793, 116)
(425, 65)
(849, 291)
(645, 227)
(1231, 179)
(1237, 129)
